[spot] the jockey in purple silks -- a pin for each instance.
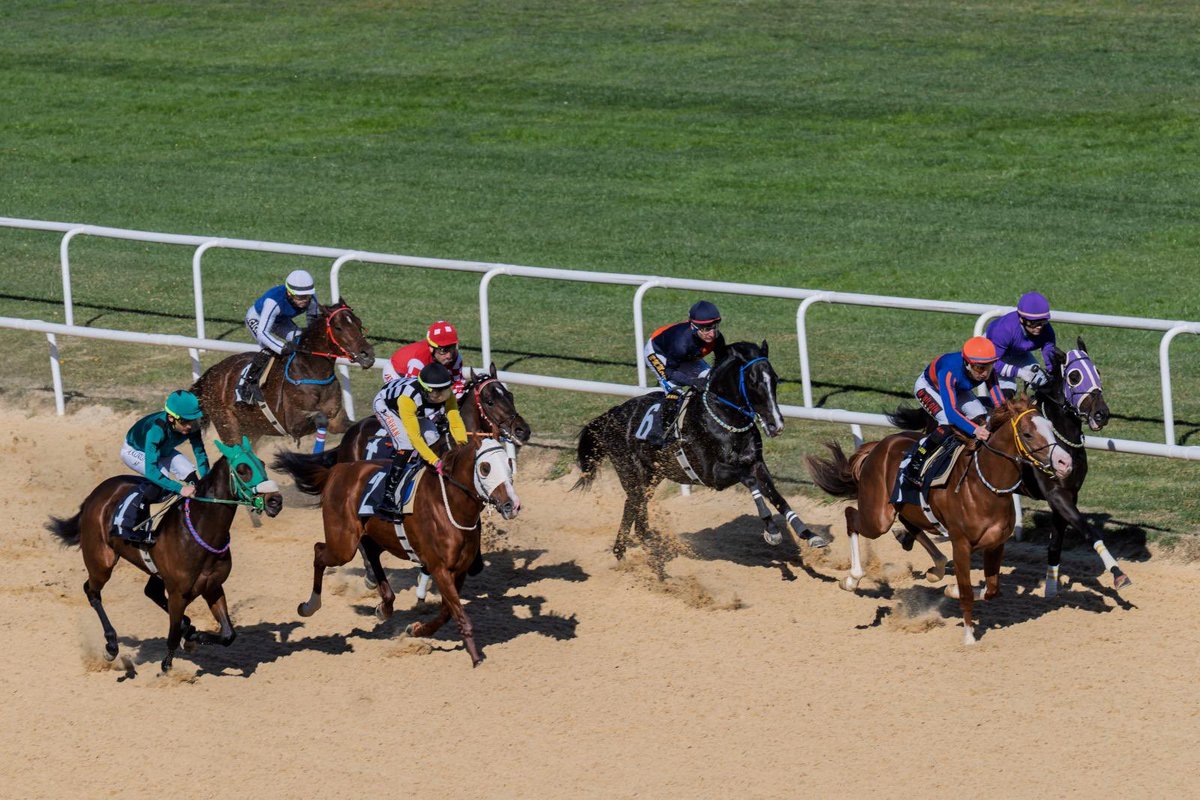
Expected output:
(1016, 335)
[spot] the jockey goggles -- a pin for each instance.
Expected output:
(707, 325)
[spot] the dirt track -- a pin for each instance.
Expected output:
(743, 675)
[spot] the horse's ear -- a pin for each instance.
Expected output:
(1079, 341)
(492, 369)
(246, 444)
(1057, 357)
(470, 374)
(224, 449)
(720, 350)
(763, 347)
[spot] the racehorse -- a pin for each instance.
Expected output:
(301, 390)
(442, 533)
(190, 556)
(973, 506)
(719, 441)
(490, 410)
(1072, 396)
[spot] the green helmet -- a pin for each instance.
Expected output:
(183, 405)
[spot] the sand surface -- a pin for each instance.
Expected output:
(746, 674)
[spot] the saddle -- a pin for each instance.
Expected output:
(405, 491)
(934, 475)
(131, 519)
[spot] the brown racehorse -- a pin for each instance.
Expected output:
(300, 390)
(974, 506)
(442, 533)
(191, 551)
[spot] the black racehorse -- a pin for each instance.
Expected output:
(1072, 395)
(719, 445)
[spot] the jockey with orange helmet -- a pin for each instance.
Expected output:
(440, 345)
(946, 391)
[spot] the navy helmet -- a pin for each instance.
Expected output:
(704, 313)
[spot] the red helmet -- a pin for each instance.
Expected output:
(441, 334)
(979, 350)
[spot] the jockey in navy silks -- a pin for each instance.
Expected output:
(1016, 335)
(946, 391)
(270, 322)
(676, 354)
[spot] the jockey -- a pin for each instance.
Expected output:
(946, 391)
(1016, 335)
(270, 323)
(440, 345)
(407, 409)
(676, 353)
(150, 451)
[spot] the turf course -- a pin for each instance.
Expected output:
(956, 151)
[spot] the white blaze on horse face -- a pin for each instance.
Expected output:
(773, 402)
(1059, 458)
(500, 472)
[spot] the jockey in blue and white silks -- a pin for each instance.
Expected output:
(1016, 335)
(270, 323)
(676, 354)
(946, 390)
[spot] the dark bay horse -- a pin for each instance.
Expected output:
(442, 533)
(1073, 395)
(720, 442)
(191, 549)
(301, 390)
(974, 506)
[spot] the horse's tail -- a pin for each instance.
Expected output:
(309, 470)
(589, 452)
(66, 530)
(908, 418)
(838, 475)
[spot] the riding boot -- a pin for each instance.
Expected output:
(656, 437)
(132, 520)
(388, 509)
(927, 447)
(250, 393)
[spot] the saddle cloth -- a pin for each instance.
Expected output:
(379, 446)
(934, 475)
(132, 514)
(405, 492)
(676, 426)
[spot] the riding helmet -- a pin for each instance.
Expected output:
(703, 313)
(1033, 306)
(434, 376)
(441, 334)
(300, 282)
(183, 405)
(979, 350)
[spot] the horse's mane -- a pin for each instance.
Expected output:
(1008, 411)
(205, 484)
(743, 351)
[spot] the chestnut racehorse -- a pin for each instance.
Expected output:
(442, 533)
(191, 549)
(974, 505)
(301, 390)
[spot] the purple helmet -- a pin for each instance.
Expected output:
(1033, 305)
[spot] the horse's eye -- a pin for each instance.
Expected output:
(484, 469)
(1074, 378)
(1027, 434)
(490, 402)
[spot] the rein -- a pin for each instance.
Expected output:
(746, 410)
(1025, 456)
(187, 520)
(498, 429)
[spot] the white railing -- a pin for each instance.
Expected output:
(489, 271)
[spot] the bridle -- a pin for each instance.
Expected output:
(468, 490)
(746, 409)
(333, 340)
(1069, 405)
(501, 429)
(1024, 457)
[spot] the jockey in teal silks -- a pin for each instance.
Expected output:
(150, 451)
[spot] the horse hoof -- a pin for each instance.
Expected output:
(190, 646)
(814, 540)
(773, 538)
(849, 583)
(110, 651)
(968, 637)
(410, 629)
(370, 582)
(951, 591)
(306, 610)
(382, 614)
(935, 574)
(1121, 581)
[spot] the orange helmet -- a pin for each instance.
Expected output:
(979, 350)
(441, 334)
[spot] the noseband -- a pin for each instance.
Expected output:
(468, 490)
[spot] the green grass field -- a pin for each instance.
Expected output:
(960, 151)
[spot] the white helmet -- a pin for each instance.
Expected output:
(300, 282)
